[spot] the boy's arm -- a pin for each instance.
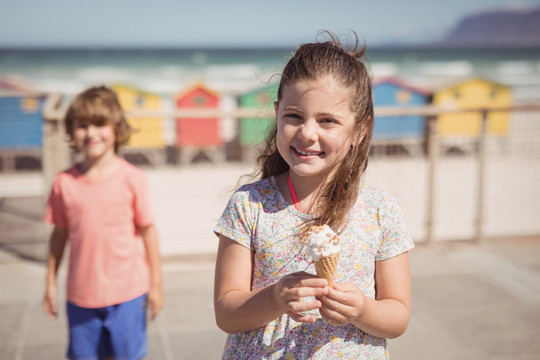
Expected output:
(155, 294)
(57, 244)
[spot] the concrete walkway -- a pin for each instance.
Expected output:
(469, 302)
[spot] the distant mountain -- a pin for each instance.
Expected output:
(500, 28)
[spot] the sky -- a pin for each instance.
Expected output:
(232, 23)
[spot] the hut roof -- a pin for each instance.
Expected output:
(194, 87)
(402, 84)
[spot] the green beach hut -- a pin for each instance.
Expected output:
(252, 131)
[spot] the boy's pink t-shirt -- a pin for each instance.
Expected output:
(107, 265)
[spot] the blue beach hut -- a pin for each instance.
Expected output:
(21, 123)
(406, 129)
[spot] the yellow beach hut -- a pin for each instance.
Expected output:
(473, 93)
(148, 130)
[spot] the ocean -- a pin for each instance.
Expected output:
(234, 71)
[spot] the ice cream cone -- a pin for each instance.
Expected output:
(326, 268)
(323, 247)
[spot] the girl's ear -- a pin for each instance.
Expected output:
(362, 136)
(359, 139)
(275, 106)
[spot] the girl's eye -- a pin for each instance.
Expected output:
(327, 121)
(292, 117)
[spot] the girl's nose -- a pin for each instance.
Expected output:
(308, 130)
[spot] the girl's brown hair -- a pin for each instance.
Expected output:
(98, 106)
(345, 64)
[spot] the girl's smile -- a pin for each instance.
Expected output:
(308, 153)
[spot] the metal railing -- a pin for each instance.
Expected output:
(433, 175)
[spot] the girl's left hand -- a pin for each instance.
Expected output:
(344, 303)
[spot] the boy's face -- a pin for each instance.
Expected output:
(94, 141)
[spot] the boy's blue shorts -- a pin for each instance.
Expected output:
(117, 331)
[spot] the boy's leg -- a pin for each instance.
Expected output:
(126, 325)
(86, 333)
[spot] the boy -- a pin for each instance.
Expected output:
(102, 207)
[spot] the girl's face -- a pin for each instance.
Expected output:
(314, 126)
(92, 140)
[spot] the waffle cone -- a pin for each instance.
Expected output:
(326, 268)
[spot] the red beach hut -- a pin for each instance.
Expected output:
(198, 132)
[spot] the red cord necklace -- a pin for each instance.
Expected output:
(293, 194)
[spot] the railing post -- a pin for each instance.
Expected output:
(479, 221)
(433, 154)
(54, 158)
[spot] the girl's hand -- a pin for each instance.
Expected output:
(290, 289)
(344, 303)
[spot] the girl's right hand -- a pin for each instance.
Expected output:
(289, 291)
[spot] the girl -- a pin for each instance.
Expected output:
(266, 296)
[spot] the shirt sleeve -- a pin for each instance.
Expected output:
(237, 222)
(55, 212)
(142, 204)
(396, 238)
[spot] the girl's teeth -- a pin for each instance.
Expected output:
(308, 153)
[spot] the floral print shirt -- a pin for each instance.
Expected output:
(259, 218)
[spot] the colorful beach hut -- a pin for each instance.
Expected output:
(198, 131)
(198, 135)
(21, 124)
(253, 131)
(147, 144)
(473, 93)
(406, 130)
(148, 129)
(394, 92)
